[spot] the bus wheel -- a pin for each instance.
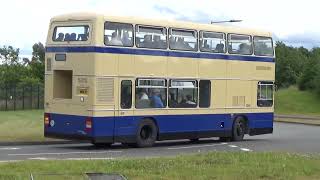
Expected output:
(147, 134)
(225, 139)
(238, 129)
(101, 145)
(194, 140)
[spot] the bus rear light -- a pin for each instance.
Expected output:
(46, 119)
(88, 123)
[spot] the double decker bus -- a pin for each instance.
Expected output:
(138, 81)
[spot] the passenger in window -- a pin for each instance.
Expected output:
(172, 102)
(60, 37)
(115, 40)
(125, 39)
(156, 101)
(157, 42)
(142, 101)
(220, 48)
(244, 48)
(189, 100)
(147, 41)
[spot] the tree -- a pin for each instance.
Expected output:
(37, 62)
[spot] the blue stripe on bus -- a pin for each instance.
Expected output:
(149, 52)
(127, 125)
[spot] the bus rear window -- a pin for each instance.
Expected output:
(71, 33)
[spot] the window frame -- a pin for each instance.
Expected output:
(121, 93)
(254, 49)
(150, 26)
(181, 29)
(184, 87)
(265, 83)
(225, 41)
(54, 33)
(251, 45)
(133, 34)
(165, 86)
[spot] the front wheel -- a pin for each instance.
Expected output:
(146, 135)
(238, 129)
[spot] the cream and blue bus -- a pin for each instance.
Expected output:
(137, 81)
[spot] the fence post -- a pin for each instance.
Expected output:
(6, 87)
(31, 98)
(14, 97)
(23, 97)
(38, 96)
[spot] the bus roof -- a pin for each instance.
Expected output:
(159, 22)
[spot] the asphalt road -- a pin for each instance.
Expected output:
(287, 137)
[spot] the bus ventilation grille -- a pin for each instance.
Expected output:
(104, 92)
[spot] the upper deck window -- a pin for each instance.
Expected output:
(212, 42)
(263, 46)
(151, 37)
(185, 40)
(71, 33)
(239, 44)
(118, 34)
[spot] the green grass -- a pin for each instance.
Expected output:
(21, 125)
(216, 165)
(293, 101)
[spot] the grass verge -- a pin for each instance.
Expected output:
(292, 101)
(21, 125)
(216, 165)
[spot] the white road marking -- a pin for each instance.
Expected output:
(70, 159)
(41, 158)
(106, 158)
(10, 148)
(65, 153)
(199, 146)
(10, 161)
(233, 146)
(223, 143)
(245, 149)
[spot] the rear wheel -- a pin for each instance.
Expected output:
(102, 145)
(194, 140)
(238, 129)
(147, 133)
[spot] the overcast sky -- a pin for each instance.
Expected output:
(24, 23)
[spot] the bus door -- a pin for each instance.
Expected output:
(124, 117)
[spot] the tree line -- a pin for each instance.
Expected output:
(16, 71)
(296, 66)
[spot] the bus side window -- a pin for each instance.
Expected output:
(183, 94)
(151, 37)
(265, 94)
(263, 46)
(204, 93)
(186, 40)
(118, 34)
(212, 42)
(239, 44)
(126, 94)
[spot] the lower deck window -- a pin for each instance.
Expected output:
(151, 93)
(265, 94)
(183, 94)
(62, 84)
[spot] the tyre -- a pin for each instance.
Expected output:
(146, 134)
(194, 140)
(102, 145)
(238, 129)
(225, 139)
